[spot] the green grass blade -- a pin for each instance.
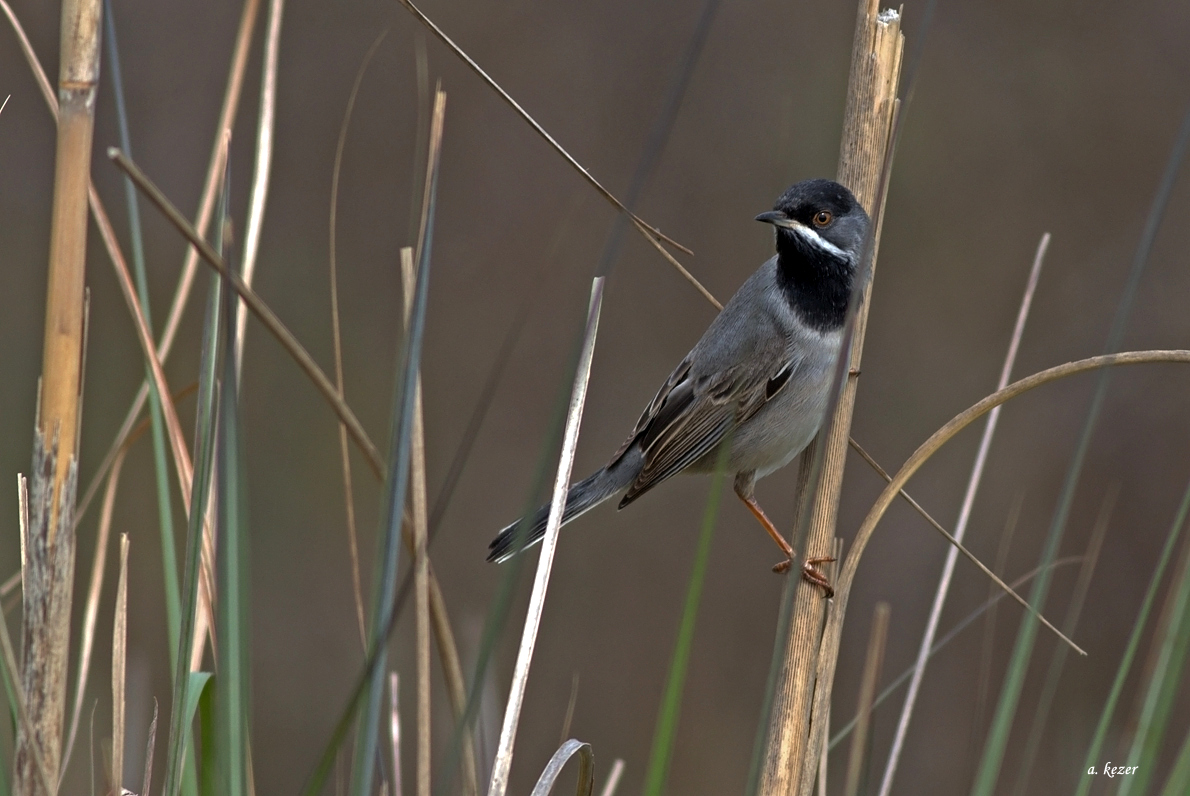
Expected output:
(671, 702)
(200, 488)
(165, 517)
(997, 741)
(1146, 606)
(408, 366)
(231, 616)
(206, 723)
(1178, 783)
(1163, 685)
(1058, 660)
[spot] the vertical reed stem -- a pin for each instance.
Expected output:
(50, 549)
(871, 101)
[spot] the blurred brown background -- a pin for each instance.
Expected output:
(1027, 117)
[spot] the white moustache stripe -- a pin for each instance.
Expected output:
(816, 240)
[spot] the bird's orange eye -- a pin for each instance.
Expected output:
(822, 218)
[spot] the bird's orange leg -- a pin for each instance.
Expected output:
(810, 570)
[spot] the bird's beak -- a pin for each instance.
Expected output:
(779, 219)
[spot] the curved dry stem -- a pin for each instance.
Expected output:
(829, 646)
(964, 419)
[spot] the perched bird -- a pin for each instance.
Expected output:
(757, 381)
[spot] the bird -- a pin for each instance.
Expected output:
(754, 390)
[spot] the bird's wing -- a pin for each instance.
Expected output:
(691, 414)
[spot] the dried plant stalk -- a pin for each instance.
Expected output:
(50, 546)
(857, 760)
(421, 567)
(871, 101)
(119, 661)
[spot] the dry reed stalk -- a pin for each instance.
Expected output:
(91, 611)
(264, 160)
(549, 545)
(119, 661)
(421, 569)
(871, 102)
(50, 543)
(857, 760)
(336, 340)
(447, 647)
(108, 235)
(613, 778)
(394, 726)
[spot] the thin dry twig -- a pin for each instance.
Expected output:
(264, 161)
(860, 749)
(569, 708)
(394, 727)
(613, 778)
(91, 611)
(650, 233)
(258, 308)
(336, 338)
(119, 660)
(149, 747)
(512, 712)
(985, 444)
(421, 582)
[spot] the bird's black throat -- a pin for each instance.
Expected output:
(816, 282)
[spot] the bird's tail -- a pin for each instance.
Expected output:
(581, 498)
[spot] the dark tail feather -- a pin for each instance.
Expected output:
(582, 497)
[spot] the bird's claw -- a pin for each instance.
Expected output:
(811, 573)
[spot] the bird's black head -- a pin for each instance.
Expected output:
(821, 230)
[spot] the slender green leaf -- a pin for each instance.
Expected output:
(408, 366)
(1113, 697)
(207, 721)
(1178, 783)
(165, 517)
(671, 702)
(1165, 680)
(194, 691)
(231, 562)
(200, 488)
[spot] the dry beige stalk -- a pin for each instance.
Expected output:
(857, 760)
(50, 544)
(871, 103)
(119, 659)
(421, 564)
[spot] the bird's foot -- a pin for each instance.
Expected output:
(811, 573)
